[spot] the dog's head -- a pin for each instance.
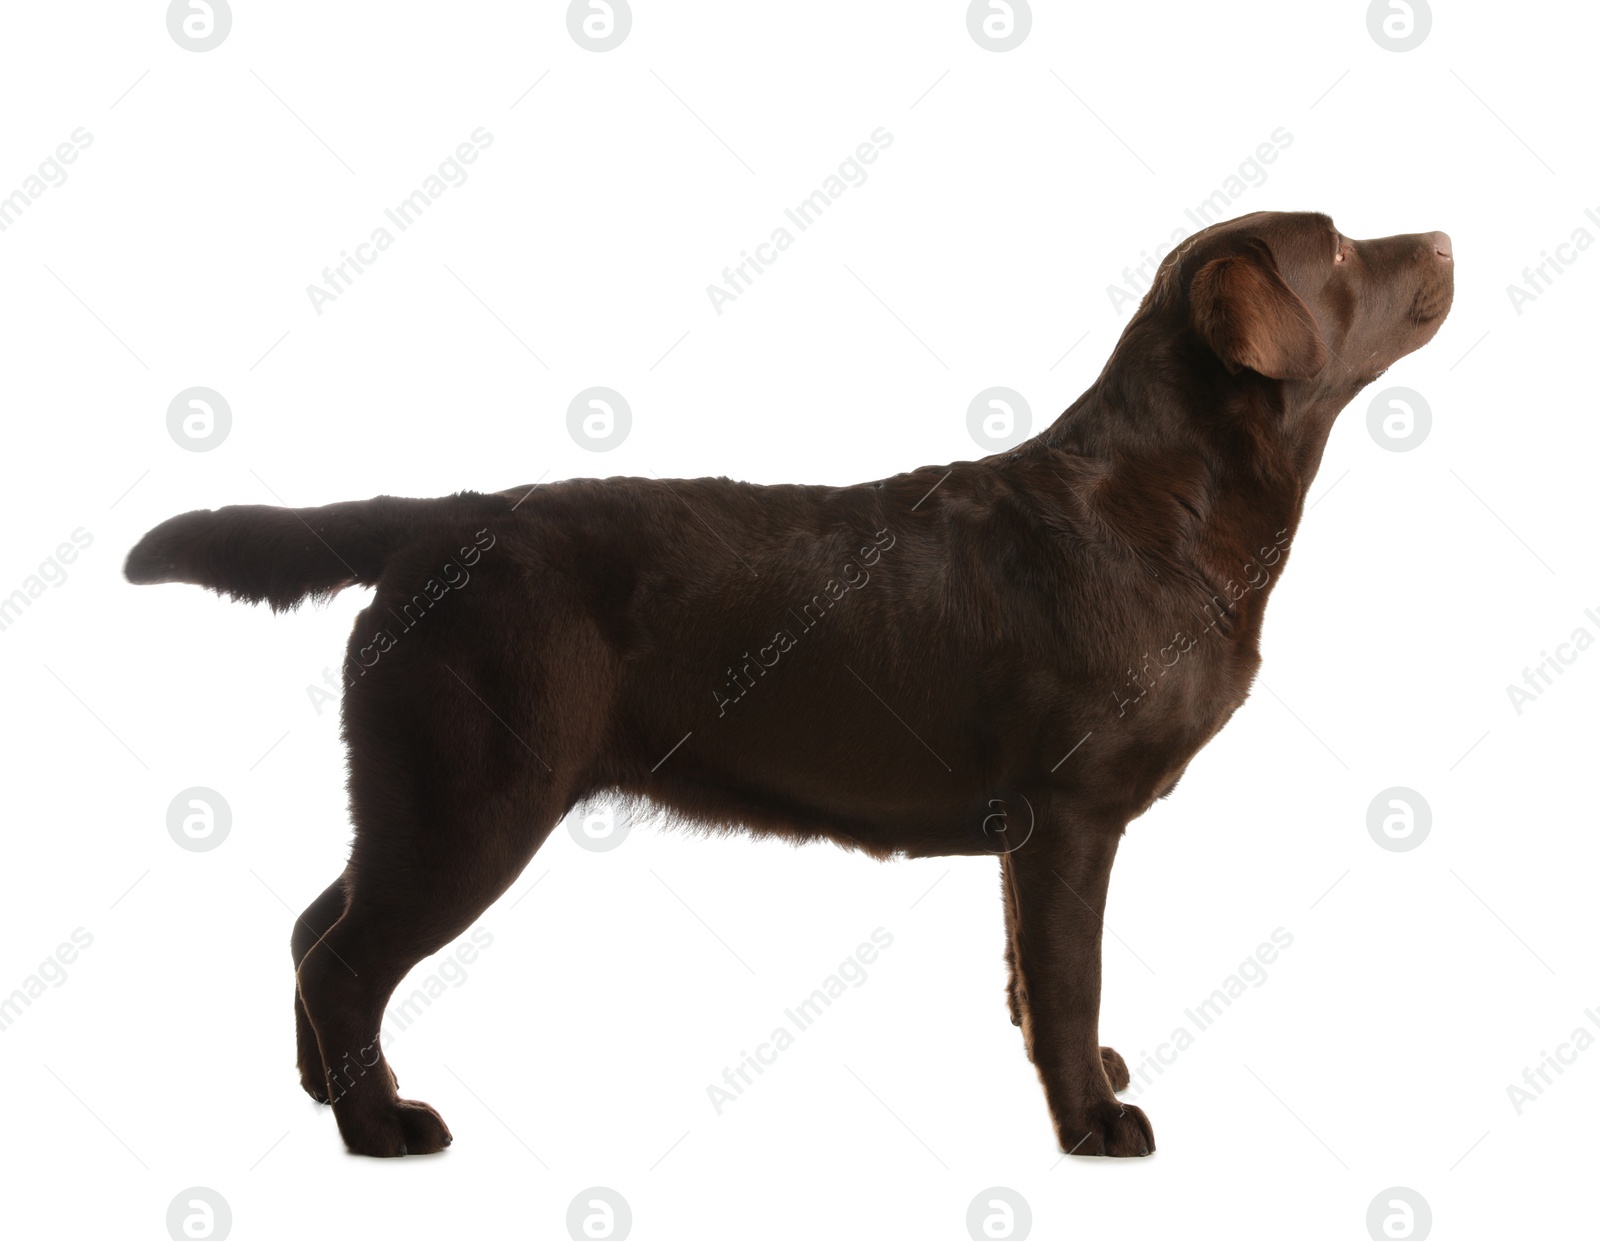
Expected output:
(1290, 297)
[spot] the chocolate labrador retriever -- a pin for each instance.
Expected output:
(1013, 656)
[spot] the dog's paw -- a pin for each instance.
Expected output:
(1116, 1069)
(408, 1127)
(1119, 1130)
(425, 1130)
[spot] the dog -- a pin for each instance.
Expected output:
(1014, 656)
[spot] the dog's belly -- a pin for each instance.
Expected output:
(959, 780)
(935, 827)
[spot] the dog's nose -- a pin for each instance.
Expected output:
(1441, 246)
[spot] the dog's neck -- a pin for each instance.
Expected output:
(1149, 439)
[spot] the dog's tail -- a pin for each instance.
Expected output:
(282, 556)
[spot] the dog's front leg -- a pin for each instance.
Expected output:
(1056, 885)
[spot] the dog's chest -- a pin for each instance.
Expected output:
(1161, 709)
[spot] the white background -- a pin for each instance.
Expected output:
(578, 1051)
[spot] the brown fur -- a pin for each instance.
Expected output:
(1012, 656)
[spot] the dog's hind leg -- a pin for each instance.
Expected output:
(1014, 994)
(309, 927)
(435, 869)
(462, 760)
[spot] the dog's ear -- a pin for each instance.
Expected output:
(1242, 309)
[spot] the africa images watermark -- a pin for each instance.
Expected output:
(1537, 679)
(1204, 1015)
(52, 970)
(452, 577)
(853, 576)
(451, 970)
(1535, 1080)
(1256, 577)
(340, 276)
(851, 173)
(450, 974)
(1218, 205)
(801, 1017)
(51, 175)
(1541, 276)
(50, 572)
